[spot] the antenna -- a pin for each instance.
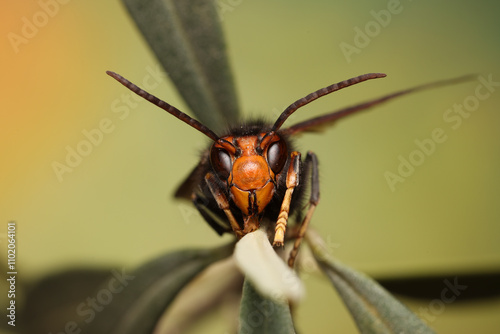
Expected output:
(322, 92)
(165, 106)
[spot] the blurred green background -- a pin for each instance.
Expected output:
(115, 208)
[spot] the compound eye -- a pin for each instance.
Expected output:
(277, 155)
(221, 162)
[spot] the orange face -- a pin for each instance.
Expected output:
(250, 165)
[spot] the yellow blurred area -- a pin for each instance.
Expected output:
(112, 204)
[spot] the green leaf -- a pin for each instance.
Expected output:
(373, 308)
(150, 289)
(50, 302)
(262, 315)
(215, 292)
(187, 39)
(479, 285)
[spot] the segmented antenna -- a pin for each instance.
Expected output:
(330, 118)
(165, 106)
(322, 92)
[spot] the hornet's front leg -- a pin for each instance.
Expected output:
(292, 181)
(223, 203)
(312, 163)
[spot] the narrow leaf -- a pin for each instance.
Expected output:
(466, 286)
(262, 315)
(187, 39)
(216, 289)
(150, 290)
(373, 308)
(52, 300)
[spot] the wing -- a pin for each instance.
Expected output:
(321, 122)
(193, 180)
(187, 39)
